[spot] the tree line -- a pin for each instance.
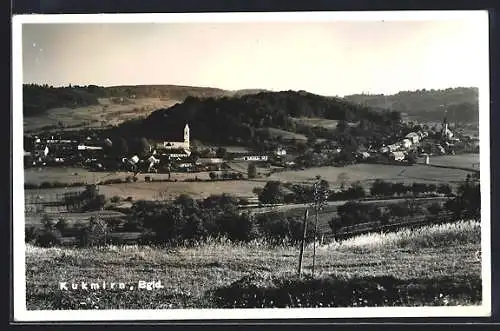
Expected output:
(237, 120)
(461, 103)
(276, 192)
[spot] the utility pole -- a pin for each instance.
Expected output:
(306, 214)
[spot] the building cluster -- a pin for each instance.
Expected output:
(399, 150)
(101, 154)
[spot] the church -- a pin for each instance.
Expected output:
(175, 149)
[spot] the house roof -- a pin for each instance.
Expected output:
(172, 151)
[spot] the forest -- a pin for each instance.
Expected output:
(427, 105)
(37, 99)
(237, 120)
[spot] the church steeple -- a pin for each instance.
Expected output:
(186, 136)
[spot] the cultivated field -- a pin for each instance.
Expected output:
(367, 173)
(439, 265)
(321, 122)
(285, 134)
(169, 190)
(469, 161)
(79, 175)
(104, 114)
(73, 219)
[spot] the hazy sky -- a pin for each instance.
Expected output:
(329, 58)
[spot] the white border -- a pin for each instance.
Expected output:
(23, 315)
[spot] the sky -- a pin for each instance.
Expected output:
(327, 58)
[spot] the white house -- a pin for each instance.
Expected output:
(397, 156)
(406, 143)
(364, 155)
(254, 158)
(134, 159)
(83, 147)
(185, 165)
(393, 147)
(413, 136)
(280, 152)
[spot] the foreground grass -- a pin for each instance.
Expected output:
(435, 265)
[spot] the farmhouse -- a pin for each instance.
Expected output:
(413, 136)
(170, 154)
(393, 147)
(83, 147)
(253, 158)
(406, 143)
(280, 152)
(152, 162)
(363, 155)
(397, 156)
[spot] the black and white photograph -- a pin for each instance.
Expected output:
(251, 166)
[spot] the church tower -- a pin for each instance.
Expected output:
(186, 137)
(444, 126)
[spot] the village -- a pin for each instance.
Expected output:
(98, 153)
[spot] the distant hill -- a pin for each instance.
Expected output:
(37, 99)
(427, 105)
(237, 120)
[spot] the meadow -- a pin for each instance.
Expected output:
(469, 161)
(435, 265)
(274, 132)
(364, 173)
(96, 116)
(367, 173)
(321, 122)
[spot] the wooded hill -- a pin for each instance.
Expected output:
(236, 120)
(427, 105)
(37, 99)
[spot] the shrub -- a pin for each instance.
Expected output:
(48, 238)
(96, 203)
(264, 291)
(444, 189)
(243, 201)
(30, 234)
(435, 208)
(62, 224)
(94, 233)
(115, 199)
(252, 170)
(272, 193)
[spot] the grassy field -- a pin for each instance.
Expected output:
(470, 161)
(168, 190)
(80, 175)
(367, 173)
(322, 122)
(445, 255)
(158, 190)
(285, 134)
(106, 113)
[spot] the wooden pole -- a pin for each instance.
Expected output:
(315, 237)
(306, 213)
